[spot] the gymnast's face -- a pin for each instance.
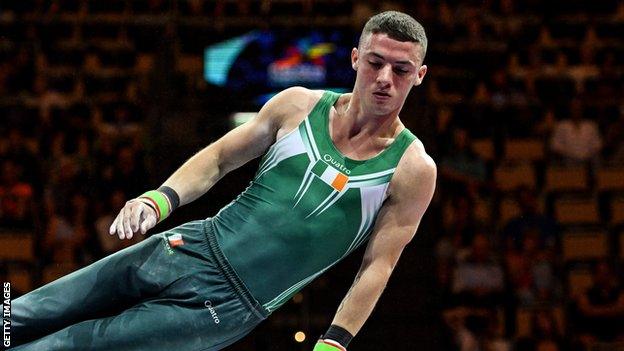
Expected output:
(387, 69)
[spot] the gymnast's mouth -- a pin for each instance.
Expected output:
(381, 94)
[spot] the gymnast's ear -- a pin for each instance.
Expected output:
(354, 58)
(422, 71)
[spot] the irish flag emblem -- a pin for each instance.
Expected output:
(175, 240)
(330, 175)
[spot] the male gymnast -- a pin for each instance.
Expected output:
(336, 171)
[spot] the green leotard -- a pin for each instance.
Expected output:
(307, 207)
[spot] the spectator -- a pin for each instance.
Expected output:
(479, 278)
(16, 197)
(560, 68)
(83, 157)
(545, 335)
(515, 70)
(464, 325)
(576, 139)
(47, 99)
(104, 155)
(129, 172)
(533, 70)
(530, 220)
(545, 39)
(122, 127)
(68, 232)
(63, 177)
(546, 125)
(586, 69)
(474, 31)
(601, 307)
(475, 330)
(591, 39)
(460, 224)
(462, 168)
(19, 151)
(501, 90)
(482, 95)
(530, 271)
(508, 24)
(459, 229)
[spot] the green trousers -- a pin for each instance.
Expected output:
(172, 291)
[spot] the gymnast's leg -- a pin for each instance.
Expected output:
(180, 324)
(102, 289)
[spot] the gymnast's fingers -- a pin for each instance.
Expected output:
(136, 210)
(121, 232)
(113, 227)
(148, 222)
(126, 222)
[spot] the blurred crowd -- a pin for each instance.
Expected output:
(512, 275)
(72, 150)
(76, 78)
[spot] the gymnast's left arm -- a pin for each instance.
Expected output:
(410, 193)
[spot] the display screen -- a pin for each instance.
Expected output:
(264, 62)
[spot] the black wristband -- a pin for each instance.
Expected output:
(338, 334)
(150, 205)
(173, 197)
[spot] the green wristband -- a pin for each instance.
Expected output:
(323, 345)
(160, 202)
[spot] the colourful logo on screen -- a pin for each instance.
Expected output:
(302, 63)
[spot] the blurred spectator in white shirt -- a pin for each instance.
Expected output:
(479, 278)
(576, 139)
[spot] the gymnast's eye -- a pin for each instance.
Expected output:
(400, 71)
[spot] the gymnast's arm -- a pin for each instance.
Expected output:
(198, 174)
(410, 193)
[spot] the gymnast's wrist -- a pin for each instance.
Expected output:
(335, 339)
(328, 345)
(163, 201)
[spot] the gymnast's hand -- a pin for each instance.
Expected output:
(134, 216)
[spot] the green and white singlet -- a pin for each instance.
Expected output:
(307, 207)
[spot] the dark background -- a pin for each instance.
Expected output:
(103, 100)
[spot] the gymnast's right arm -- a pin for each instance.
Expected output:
(198, 174)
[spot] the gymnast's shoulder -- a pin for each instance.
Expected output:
(289, 107)
(415, 175)
(293, 100)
